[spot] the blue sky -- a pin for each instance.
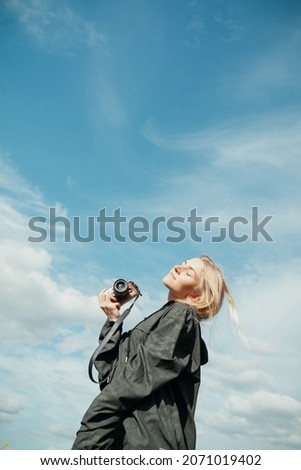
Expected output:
(155, 108)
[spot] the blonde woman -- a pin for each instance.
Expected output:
(152, 373)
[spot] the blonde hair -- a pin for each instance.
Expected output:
(211, 292)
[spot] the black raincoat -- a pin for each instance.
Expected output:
(152, 377)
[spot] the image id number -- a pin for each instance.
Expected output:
(217, 459)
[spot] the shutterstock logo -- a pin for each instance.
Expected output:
(120, 228)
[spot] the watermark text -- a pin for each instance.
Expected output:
(120, 228)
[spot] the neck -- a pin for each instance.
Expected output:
(173, 296)
(170, 296)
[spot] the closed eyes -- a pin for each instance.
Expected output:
(191, 270)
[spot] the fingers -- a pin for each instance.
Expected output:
(103, 298)
(108, 303)
(106, 298)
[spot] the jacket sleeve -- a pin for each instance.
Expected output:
(164, 355)
(103, 361)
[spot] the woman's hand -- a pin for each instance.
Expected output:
(109, 304)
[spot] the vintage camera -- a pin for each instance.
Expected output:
(124, 290)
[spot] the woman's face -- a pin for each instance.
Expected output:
(183, 279)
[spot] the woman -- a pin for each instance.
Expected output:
(153, 372)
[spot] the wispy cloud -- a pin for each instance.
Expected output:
(270, 420)
(234, 158)
(11, 182)
(47, 326)
(196, 24)
(53, 323)
(50, 317)
(19, 200)
(272, 139)
(8, 408)
(48, 323)
(56, 27)
(196, 28)
(258, 404)
(110, 106)
(26, 269)
(274, 71)
(232, 29)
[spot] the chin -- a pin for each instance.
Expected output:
(165, 281)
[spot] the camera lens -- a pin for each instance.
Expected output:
(120, 287)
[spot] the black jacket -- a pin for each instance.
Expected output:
(152, 375)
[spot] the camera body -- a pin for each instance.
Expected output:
(124, 291)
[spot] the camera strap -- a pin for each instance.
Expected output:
(106, 340)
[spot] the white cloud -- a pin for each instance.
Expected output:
(273, 70)
(253, 395)
(277, 405)
(247, 163)
(54, 390)
(62, 430)
(248, 377)
(254, 420)
(49, 329)
(71, 182)
(10, 405)
(232, 30)
(267, 420)
(267, 77)
(8, 408)
(196, 24)
(110, 105)
(56, 27)
(20, 201)
(33, 304)
(272, 139)
(12, 183)
(267, 298)
(196, 28)
(13, 222)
